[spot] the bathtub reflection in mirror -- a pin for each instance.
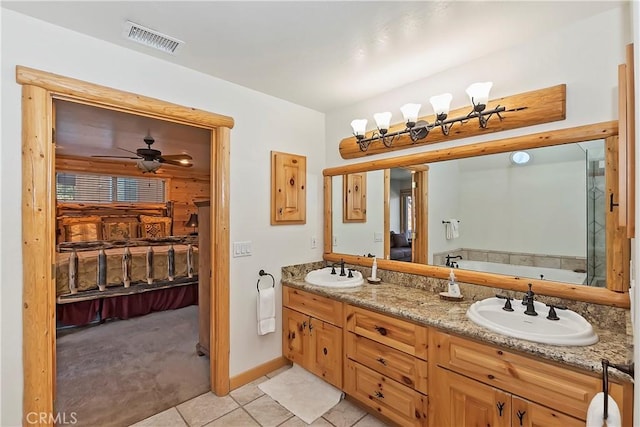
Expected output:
(545, 218)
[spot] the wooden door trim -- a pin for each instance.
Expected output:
(38, 221)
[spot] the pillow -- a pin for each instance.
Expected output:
(400, 240)
(392, 241)
(120, 228)
(153, 227)
(82, 229)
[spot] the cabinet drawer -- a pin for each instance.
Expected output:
(558, 387)
(314, 305)
(399, 334)
(399, 403)
(388, 361)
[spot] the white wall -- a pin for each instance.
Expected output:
(260, 127)
(536, 209)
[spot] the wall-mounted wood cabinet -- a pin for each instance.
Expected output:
(288, 188)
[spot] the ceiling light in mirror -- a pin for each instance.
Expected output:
(520, 158)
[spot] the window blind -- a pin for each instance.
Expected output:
(107, 188)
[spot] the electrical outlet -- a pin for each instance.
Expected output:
(377, 236)
(314, 242)
(335, 240)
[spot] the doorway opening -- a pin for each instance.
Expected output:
(39, 221)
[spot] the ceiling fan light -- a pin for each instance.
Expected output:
(148, 165)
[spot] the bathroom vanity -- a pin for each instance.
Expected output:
(417, 360)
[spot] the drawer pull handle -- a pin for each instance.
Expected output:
(500, 406)
(381, 360)
(379, 395)
(304, 325)
(381, 330)
(520, 415)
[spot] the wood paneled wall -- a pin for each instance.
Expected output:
(183, 185)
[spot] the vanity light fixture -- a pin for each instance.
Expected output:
(419, 129)
(520, 158)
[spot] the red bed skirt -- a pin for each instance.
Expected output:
(127, 306)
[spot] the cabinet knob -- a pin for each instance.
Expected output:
(324, 350)
(380, 330)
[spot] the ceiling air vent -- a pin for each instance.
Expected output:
(151, 38)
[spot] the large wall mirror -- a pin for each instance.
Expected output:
(532, 209)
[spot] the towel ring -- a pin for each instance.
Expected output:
(263, 273)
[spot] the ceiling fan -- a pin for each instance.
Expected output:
(150, 159)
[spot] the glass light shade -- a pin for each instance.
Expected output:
(382, 120)
(359, 126)
(441, 103)
(479, 93)
(410, 112)
(148, 165)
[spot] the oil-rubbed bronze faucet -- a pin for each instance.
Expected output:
(529, 302)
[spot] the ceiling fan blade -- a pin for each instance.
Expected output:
(128, 151)
(177, 157)
(175, 162)
(118, 157)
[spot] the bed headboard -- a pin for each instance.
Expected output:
(112, 221)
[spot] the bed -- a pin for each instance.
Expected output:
(121, 261)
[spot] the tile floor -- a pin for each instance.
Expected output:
(248, 406)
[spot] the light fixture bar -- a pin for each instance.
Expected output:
(419, 129)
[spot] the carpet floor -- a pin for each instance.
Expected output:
(123, 371)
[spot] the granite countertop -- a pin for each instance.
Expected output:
(426, 308)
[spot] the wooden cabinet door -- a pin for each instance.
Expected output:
(288, 188)
(326, 351)
(295, 342)
(529, 414)
(462, 402)
(354, 208)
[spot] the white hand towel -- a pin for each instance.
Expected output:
(455, 233)
(451, 229)
(595, 413)
(266, 310)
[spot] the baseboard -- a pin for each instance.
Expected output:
(257, 372)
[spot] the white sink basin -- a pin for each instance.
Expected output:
(323, 277)
(572, 329)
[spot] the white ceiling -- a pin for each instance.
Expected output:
(320, 54)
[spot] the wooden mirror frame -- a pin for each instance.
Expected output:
(605, 130)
